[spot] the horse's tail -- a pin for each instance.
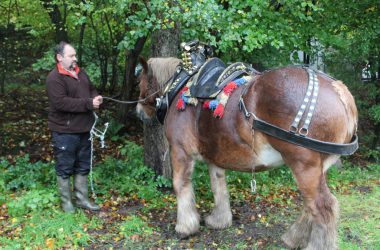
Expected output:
(349, 105)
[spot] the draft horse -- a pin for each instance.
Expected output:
(231, 143)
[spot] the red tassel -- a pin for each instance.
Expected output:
(219, 111)
(180, 104)
(183, 90)
(230, 87)
(206, 105)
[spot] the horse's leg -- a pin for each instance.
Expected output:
(316, 227)
(221, 216)
(187, 215)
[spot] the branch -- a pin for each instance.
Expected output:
(109, 29)
(147, 8)
(17, 8)
(64, 12)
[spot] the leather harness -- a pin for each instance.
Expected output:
(194, 59)
(299, 137)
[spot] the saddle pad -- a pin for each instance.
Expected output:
(204, 83)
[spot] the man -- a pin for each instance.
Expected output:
(72, 99)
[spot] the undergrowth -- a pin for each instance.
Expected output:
(31, 218)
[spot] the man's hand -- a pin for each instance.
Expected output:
(97, 101)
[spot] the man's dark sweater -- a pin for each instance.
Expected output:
(70, 102)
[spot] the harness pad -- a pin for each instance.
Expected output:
(212, 77)
(204, 83)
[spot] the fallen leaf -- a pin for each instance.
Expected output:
(50, 243)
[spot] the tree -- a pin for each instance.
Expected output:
(58, 19)
(350, 33)
(165, 43)
(5, 45)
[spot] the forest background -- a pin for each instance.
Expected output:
(340, 38)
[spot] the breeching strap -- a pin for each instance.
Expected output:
(300, 140)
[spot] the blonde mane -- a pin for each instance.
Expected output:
(163, 68)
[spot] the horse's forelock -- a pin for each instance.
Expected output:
(163, 68)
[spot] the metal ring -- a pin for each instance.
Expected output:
(293, 129)
(303, 131)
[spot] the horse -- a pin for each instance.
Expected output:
(231, 143)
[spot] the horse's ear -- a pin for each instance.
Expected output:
(143, 63)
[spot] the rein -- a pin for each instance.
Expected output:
(131, 102)
(140, 100)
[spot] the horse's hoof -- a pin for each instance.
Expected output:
(289, 244)
(183, 236)
(292, 243)
(217, 223)
(184, 233)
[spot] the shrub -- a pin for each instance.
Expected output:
(31, 201)
(25, 175)
(130, 176)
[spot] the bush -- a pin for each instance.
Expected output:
(25, 175)
(130, 176)
(31, 201)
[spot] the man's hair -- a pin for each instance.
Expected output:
(59, 49)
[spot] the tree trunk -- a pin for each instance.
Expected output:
(376, 139)
(115, 71)
(5, 49)
(103, 71)
(129, 79)
(4, 62)
(80, 43)
(165, 43)
(57, 19)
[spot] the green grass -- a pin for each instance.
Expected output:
(359, 220)
(48, 228)
(135, 226)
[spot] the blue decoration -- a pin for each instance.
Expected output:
(213, 104)
(240, 81)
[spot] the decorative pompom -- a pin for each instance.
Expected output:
(206, 105)
(183, 90)
(240, 81)
(231, 86)
(219, 111)
(213, 104)
(180, 104)
(193, 101)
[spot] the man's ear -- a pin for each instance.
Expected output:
(59, 57)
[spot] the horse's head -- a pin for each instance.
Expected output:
(155, 75)
(148, 86)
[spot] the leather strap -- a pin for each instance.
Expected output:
(307, 142)
(164, 101)
(300, 140)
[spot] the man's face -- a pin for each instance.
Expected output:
(68, 60)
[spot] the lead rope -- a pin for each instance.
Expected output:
(100, 134)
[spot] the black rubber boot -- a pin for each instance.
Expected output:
(65, 193)
(81, 193)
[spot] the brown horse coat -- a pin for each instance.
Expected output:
(230, 143)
